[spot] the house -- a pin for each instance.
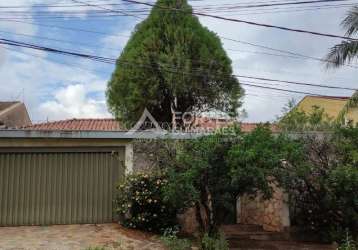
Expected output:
(13, 115)
(342, 109)
(66, 172)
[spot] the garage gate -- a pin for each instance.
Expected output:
(59, 187)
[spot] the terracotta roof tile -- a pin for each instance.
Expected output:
(114, 125)
(79, 125)
(248, 127)
(214, 123)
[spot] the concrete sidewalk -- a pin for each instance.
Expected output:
(75, 237)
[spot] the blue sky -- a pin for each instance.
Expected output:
(57, 87)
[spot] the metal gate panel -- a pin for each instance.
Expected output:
(58, 188)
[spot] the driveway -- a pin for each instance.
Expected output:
(75, 237)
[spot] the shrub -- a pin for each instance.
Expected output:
(214, 243)
(212, 171)
(140, 203)
(323, 187)
(172, 242)
(348, 244)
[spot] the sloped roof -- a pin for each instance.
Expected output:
(114, 125)
(79, 125)
(5, 105)
(248, 127)
(14, 115)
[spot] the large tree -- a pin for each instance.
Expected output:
(172, 64)
(346, 51)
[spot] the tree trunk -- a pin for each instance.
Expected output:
(210, 208)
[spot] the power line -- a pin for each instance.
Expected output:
(279, 89)
(65, 28)
(57, 40)
(225, 38)
(284, 51)
(290, 3)
(71, 65)
(91, 70)
(176, 70)
(103, 8)
(250, 22)
(297, 83)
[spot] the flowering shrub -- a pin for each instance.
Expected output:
(140, 203)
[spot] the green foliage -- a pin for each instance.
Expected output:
(140, 203)
(294, 119)
(171, 59)
(348, 244)
(214, 243)
(323, 185)
(258, 157)
(346, 51)
(173, 242)
(212, 171)
(200, 176)
(346, 141)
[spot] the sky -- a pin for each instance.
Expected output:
(56, 87)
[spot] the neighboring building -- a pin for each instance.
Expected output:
(13, 115)
(336, 108)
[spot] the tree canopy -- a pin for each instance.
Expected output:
(172, 62)
(346, 51)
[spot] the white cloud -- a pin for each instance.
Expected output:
(73, 102)
(45, 82)
(58, 91)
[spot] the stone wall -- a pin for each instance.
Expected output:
(143, 157)
(146, 154)
(272, 214)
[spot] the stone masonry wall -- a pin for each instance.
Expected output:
(272, 214)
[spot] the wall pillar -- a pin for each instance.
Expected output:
(129, 159)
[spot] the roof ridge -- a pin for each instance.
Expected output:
(329, 97)
(76, 119)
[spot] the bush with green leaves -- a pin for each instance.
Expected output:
(323, 185)
(348, 243)
(257, 159)
(212, 171)
(140, 203)
(171, 240)
(217, 242)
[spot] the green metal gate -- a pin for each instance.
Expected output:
(45, 188)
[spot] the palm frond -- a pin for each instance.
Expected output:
(342, 53)
(350, 23)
